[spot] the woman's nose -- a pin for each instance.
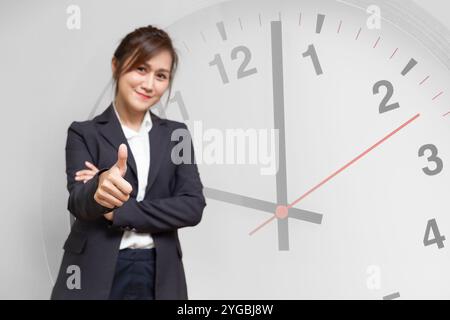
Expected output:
(148, 83)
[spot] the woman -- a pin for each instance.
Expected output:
(124, 242)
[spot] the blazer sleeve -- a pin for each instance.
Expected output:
(184, 208)
(81, 201)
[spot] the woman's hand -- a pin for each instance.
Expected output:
(109, 216)
(113, 190)
(87, 174)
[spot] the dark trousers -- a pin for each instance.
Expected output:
(134, 278)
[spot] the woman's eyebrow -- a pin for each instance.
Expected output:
(161, 69)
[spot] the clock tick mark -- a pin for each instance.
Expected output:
(423, 81)
(339, 28)
(187, 48)
(393, 54)
(260, 24)
(438, 95)
(203, 37)
(446, 114)
(221, 28)
(411, 64)
(300, 19)
(240, 24)
(319, 22)
(359, 32)
(376, 42)
(392, 296)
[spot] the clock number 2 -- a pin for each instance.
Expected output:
(432, 158)
(241, 73)
(384, 106)
(438, 239)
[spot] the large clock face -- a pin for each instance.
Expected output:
(358, 207)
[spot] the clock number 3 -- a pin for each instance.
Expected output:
(241, 73)
(438, 239)
(384, 106)
(432, 158)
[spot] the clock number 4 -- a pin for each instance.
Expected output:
(438, 239)
(384, 106)
(242, 72)
(432, 158)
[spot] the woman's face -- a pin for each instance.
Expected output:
(142, 87)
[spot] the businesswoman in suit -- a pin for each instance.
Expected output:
(128, 194)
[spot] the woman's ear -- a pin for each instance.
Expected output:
(113, 65)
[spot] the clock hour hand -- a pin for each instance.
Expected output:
(261, 205)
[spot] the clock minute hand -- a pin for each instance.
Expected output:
(338, 171)
(276, 37)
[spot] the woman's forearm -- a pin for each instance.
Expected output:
(161, 215)
(81, 201)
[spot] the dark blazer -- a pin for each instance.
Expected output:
(173, 199)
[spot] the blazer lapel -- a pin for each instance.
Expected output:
(111, 130)
(159, 141)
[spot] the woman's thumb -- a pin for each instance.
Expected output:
(122, 156)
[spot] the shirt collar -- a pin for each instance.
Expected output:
(146, 124)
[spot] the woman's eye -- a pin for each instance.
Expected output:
(163, 76)
(141, 68)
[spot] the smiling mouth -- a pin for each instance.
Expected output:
(143, 95)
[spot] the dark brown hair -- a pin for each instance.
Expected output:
(141, 45)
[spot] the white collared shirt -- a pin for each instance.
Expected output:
(140, 148)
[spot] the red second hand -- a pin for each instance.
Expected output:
(338, 171)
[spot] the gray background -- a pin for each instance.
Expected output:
(43, 67)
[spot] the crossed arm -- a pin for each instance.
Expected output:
(184, 208)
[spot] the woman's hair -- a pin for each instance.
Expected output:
(141, 45)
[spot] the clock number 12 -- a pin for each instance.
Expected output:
(241, 73)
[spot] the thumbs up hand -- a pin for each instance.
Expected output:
(113, 190)
(122, 156)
